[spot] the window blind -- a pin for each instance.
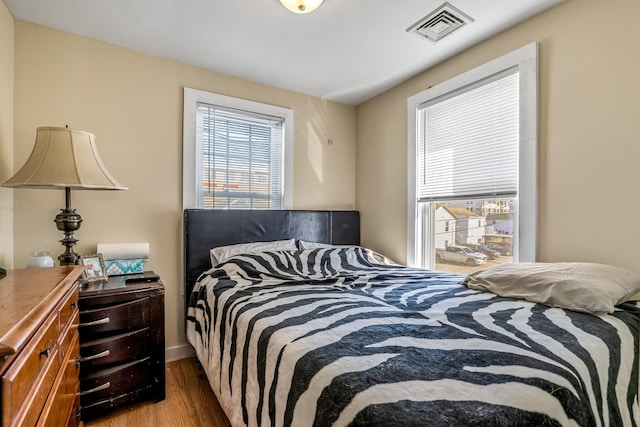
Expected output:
(468, 142)
(242, 158)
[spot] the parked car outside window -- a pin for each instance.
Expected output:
(484, 249)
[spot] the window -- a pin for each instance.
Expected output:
(237, 154)
(472, 153)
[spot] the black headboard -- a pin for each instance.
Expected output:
(208, 228)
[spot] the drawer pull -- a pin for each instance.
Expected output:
(46, 352)
(74, 304)
(96, 356)
(93, 390)
(96, 322)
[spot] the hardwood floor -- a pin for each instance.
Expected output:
(189, 403)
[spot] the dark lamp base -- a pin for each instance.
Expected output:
(68, 221)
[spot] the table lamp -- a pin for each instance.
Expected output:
(64, 158)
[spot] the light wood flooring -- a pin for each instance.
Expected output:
(189, 403)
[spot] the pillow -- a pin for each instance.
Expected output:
(586, 287)
(303, 245)
(373, 256)
(635, 297)
(223, 253)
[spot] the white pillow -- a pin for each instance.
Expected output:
(304, 245)
(222, 253)
(585, 287)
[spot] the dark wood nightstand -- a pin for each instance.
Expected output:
(121, 344)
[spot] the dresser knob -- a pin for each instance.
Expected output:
(46, 352)
(74, 304)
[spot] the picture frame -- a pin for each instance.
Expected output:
(94, 270)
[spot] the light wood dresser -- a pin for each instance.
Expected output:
(39, 347)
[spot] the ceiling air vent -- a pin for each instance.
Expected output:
(440, 23)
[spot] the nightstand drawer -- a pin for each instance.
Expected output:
(111, 382)
(122, 317)
(129, 346)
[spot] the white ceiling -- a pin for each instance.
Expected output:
(347, 50)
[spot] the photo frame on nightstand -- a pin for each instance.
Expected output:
(94, 270)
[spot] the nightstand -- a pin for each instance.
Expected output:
(121, 344)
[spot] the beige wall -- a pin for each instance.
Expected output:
(133, 104)
(589, 140)
(589, 135)
(6, 135)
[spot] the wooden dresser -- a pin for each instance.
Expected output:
(39, 347)
(121, 344)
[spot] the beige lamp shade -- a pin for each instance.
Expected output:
(64, 158)
(301, 6)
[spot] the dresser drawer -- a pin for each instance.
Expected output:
(100, 353)
(111, 382)
(68, 334)
(60, 406)
(40, 355)
(69, 308)
(126, 316)
(42, 388)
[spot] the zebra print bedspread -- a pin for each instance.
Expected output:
(326, 338)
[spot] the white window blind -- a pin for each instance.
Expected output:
(468, 142)
(242, 162)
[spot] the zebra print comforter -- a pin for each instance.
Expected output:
(325, 337)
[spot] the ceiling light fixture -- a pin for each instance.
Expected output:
(301, 6)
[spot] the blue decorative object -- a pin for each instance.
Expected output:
(117, 267)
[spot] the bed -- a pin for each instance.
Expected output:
(329, 333)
